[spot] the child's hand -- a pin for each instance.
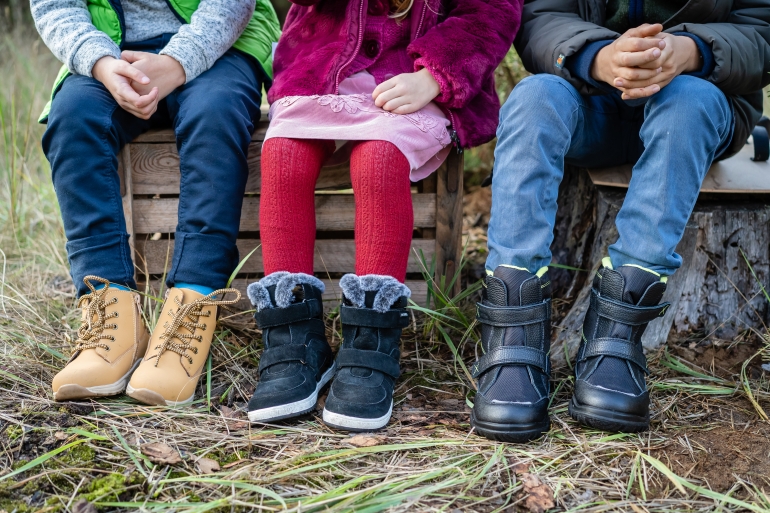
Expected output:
(407, 92)
(117, 76)
(164, 71)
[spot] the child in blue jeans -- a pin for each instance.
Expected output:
(197, 66)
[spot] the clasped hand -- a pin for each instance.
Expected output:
(139, 80)
(644, 60)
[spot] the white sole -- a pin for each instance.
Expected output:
(100, 390)
(338, 420)
(284, 411)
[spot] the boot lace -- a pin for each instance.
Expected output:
(188, 316)
(91, 331)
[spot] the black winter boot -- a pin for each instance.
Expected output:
(297, 361)
(610, 389)
(373, 313)
(511, 404)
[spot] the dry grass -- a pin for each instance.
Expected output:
(709, 449)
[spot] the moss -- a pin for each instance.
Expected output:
(14, 432)
(79, 456)
(109, 486)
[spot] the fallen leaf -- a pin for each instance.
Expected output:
(207, 465)
(540, 498)
(161, 453)
(232, 418)
(60, 435)
(365, 441)
(83, 506)
(520, 468)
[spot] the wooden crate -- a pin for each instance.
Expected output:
(149, 171)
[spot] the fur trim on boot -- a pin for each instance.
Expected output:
(388, 290)
(284, 285)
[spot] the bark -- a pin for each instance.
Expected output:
(715, 293)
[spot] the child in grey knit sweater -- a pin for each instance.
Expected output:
(197, 66)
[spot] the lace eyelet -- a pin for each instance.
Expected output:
(116, 315)
(204, 327)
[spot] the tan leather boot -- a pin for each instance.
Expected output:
(111, 341)
(178, 348)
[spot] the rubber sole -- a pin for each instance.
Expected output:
(72, 392)
(608, 420)
(295, 409)
(147, 396)
(512, 433)
(347, 423)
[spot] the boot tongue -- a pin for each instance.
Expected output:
(520, 287)
(632, 285)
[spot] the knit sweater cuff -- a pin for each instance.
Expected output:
(186, 53)
(706, 53)
(93, 49)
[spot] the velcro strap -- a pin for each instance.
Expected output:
(508, 355)
(271, 317)
(282, 354)
(369, 360)
(368, 318)
(624, 313)
(617, 347)
(507, 316)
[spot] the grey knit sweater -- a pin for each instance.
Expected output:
(66, 28)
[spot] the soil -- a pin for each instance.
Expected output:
(716, 456)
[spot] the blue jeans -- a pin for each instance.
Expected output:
(672, 139)
(213, 118)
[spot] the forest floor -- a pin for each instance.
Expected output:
(708, 448)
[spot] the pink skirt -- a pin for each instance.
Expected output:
(421, 136)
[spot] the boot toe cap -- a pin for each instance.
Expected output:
(154, 386)
(593, 396)
(510, 412)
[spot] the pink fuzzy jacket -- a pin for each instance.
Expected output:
(460, 42)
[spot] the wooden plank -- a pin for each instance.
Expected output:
(738, 175)
(449, 217)
(333, 212)
(166, 135)
(156, 169)
(332, 296)
(331, 255)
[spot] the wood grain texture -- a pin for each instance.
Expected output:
(333, 212)
(331, 255)
(156, 170)
(449, 217)
(331, 297)
(738, 175)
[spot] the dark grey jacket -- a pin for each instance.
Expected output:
(737, 30)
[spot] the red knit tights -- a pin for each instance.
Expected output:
(384, 217)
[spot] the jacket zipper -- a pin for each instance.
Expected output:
(453, 135)
(422, 19)
(358, 47)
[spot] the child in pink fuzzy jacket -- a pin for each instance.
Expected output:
(400, 81)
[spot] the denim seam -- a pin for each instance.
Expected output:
(128, 269)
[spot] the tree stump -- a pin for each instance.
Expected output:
(720, 291)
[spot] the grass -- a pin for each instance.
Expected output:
(707, 450)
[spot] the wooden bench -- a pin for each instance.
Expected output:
(718, 292)
(149, 170)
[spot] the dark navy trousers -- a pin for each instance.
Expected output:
(213, 117)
